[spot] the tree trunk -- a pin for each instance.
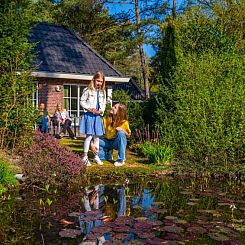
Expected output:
(141, 50)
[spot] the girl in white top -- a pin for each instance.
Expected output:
(93, 102)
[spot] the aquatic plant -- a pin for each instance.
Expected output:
(45, 161)
(156, 153)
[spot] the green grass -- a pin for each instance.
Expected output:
(135, 166)
(6, 176)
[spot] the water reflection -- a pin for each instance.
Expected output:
(137, 213)
(119, 205)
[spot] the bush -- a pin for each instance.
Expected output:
(207, 125)
(45, 161)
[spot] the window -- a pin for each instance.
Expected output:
(35, 95)
(72, 94)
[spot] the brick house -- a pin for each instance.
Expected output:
(64, 66)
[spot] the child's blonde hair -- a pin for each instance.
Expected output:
(97, 75)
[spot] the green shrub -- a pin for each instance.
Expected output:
(156, 153)
(207, 125)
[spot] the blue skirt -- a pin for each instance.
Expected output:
(92, 124)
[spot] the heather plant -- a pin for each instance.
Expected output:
(45, 161)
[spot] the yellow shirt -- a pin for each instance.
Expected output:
(111, 133)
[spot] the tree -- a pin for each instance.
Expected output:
(143, 17)
(16, 111)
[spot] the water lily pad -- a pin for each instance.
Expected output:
(121, 236)
(158, 203)
(186, 193)
(146, 235)
(154, 241)
(101, 229)
(196, 230)
(91, 236)
(224, 204)
(170, 218)
(171, 236)
(141, 218)
(143, 225)
(70, 233)
(74, 214)
(194, 199)
(181, 221)
(218, 237)
(122, 228)
(173, 229)
(191, 203)
(154, 222)
(188, 238)
(89, 242)
(233, 242)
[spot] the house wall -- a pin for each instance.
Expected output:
(50, 96)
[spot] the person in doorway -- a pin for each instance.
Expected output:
(62, 117)
(116, 132)
(93, 102)
(43, 118)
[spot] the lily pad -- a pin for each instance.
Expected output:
(191, 203)
(233, 242)
(70, 233)
(218, 237)
(194, 199)
(141, 218)
(146, 235)
(74, 214)
(181, 221)
(170, 218)
(173, 229)
(197, 230)
(121, 236)
(155, 241)
(171, 236)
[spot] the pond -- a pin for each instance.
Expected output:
(143, 211)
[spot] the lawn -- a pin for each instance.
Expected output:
(135, 165)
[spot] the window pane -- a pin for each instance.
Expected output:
(74, 91)
(73, 104)
(73, 114)
(66, 104)
(66, 90)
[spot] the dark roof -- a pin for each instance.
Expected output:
(132, 88)
(60, 49)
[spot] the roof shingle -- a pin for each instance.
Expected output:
(59, 49)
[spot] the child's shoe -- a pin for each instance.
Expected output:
(85, 161)
(119, 163)
(97, 160)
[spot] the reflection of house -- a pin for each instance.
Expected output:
(64, 65)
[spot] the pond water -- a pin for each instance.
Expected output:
(146, 211)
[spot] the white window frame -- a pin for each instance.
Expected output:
(79, 92)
